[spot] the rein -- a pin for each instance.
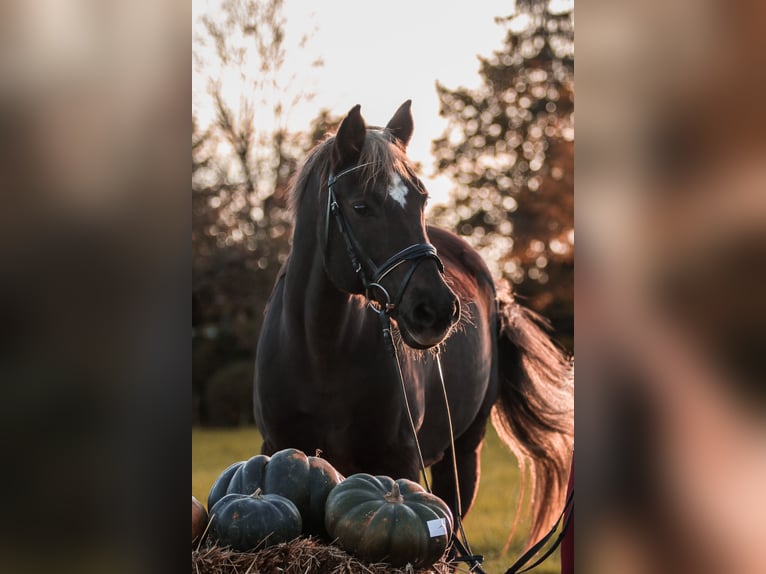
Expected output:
(464, 550)
(417, 253)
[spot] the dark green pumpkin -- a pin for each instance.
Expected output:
(245, 522)
(304, 480)
(381, 520)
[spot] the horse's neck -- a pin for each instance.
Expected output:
(317, 311)
(312, 299)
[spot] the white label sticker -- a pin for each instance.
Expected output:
(436, 527)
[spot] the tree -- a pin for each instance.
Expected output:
(242, 160)
(509, 147)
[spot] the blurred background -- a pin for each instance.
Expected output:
(494, 141)
(670, 313)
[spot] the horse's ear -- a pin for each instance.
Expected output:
(349, 139)
(401, 124)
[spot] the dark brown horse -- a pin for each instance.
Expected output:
(324, 378)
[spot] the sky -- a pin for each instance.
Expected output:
(379, 54)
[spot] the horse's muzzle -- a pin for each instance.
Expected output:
(425, 320)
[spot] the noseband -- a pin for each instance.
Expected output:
(415, 253)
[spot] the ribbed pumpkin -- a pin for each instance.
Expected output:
(245, 522)
(379, 519)
(304, 480)
(199, 520)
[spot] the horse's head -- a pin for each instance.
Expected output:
(374, 232)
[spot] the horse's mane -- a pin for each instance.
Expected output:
(380, 157)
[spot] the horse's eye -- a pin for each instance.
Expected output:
(361, 208)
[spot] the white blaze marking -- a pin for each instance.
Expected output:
(398, 190)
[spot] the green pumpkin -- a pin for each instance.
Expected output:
(379, 519)
(245, 522)
(304, 480)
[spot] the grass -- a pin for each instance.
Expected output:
(487, 526)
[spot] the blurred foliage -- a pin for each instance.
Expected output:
(509, 147)
(241, 165)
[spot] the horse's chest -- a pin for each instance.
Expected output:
(360, 401)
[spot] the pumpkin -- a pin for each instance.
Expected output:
(199, 520)
(379, 519)
(304, 480)
(245, 522)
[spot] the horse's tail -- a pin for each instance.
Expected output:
(534, 411)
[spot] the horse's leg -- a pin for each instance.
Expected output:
(468, 448)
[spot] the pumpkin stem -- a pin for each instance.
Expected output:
(395, 495)
(257, 494)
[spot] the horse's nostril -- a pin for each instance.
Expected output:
(424, 314)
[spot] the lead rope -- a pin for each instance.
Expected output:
(464, 550)
(519, 566)
(385, 322)
(465, 555)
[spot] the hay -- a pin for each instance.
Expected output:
(301, 556)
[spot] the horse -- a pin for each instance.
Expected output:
(324, 380)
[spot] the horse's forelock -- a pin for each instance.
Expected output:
(381, 160)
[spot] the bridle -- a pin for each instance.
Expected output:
(416, 253)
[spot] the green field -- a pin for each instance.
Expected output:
(487, 526)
